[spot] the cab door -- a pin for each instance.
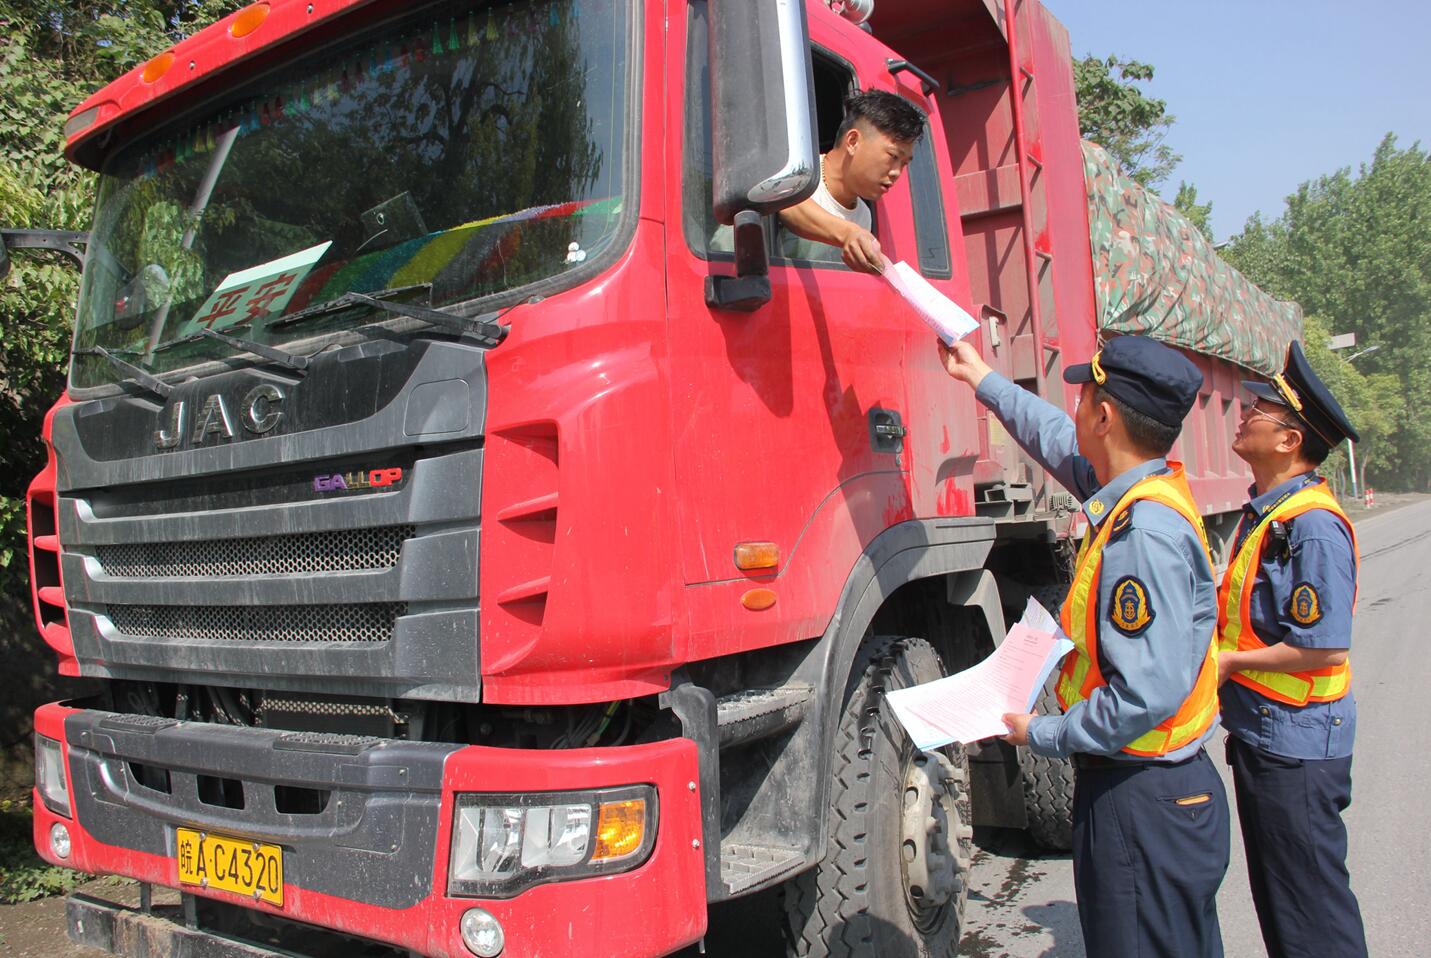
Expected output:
(772, 409)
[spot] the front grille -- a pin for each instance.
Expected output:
(337, 551)
(341, 708)
(325, 624)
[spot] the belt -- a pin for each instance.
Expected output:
(1084, 761)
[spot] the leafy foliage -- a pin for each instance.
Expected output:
(1354, 251)
(1199, 214)
(1116, 114)
(24, 876)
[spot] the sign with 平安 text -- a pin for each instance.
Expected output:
(253, 293)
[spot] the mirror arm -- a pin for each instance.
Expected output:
(749, 288)
(61, 241)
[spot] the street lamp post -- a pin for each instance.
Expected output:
(1342, 342)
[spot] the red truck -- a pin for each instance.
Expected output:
(484, 548)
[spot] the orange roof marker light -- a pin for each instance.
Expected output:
(249, 19)
(157, 67)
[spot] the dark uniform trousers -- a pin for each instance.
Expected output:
(1148, 856)
(1291, 814)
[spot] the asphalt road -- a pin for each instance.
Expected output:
(1023, 907)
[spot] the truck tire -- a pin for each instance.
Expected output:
(895, 874)
(1048, 782)
(1048, 787)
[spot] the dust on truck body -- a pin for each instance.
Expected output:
(480, 547)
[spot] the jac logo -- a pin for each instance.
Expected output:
(259, 412)
(352, 481)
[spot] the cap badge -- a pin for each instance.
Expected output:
(1288, 393)
(1099, 376)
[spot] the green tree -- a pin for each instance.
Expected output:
(1353, 249)
(1373, 402)
(1199, 214)
(1114, 112)
(37, 190)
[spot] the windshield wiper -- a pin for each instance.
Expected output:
(261, 350)
(137, 376)
(270, 353)
(343, 302)
(487, 334)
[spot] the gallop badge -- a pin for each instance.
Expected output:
(357, 480)
(1132, 611)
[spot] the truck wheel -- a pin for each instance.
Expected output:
(895, 875)
(1048, 787)
(1048, 782)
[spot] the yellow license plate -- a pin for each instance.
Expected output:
(246, 868)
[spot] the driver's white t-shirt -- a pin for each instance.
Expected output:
(795, 247)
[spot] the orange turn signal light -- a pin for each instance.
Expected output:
(758, 600)
(756, 555)
(157, 67)
(620, 829)
(249, 19)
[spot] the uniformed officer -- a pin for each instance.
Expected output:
(1150, 822)
(1285, 611)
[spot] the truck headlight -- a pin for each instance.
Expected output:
(505, 844)
(50, 776)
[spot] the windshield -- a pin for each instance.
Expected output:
(470, 150)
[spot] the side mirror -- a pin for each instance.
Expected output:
(762, 131)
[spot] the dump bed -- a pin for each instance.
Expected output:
(1155, 273)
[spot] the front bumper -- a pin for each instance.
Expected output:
(373, 861)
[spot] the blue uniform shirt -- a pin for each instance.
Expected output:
(1151, 673)
(1320, 554)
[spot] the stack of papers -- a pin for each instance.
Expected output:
(944, 316)
(970, 705)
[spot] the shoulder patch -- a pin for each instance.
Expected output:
(1131, 611)
(1121, 523)
(1306, 605)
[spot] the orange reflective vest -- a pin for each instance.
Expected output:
(1234, 607)
(1081, 674)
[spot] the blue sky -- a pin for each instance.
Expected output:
(1269, 93)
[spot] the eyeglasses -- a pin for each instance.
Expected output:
(1252, 412)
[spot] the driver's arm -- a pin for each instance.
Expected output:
(860, 249)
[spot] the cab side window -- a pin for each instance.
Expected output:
(834, 81)
(931, 231)
(704, 235)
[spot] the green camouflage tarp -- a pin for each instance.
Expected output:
(1155, 273)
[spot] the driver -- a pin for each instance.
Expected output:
(873, 146)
